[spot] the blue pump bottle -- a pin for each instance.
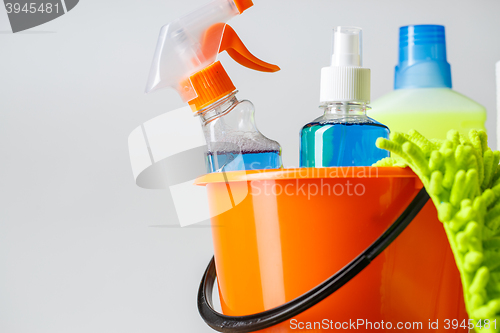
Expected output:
(343, 135)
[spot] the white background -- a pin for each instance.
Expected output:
(82, 249)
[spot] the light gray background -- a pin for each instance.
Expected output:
(82, 249)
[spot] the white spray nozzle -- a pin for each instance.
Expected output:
(184, 47)
(345, 80)
(347, 47)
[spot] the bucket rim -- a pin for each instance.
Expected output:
(305, 173)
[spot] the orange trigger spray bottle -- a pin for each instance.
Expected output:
(186, 60)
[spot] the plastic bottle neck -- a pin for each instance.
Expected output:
(422, 58)
(218, 109)
(345, 109)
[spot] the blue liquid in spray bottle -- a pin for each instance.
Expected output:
(250, 160)
(233, 140)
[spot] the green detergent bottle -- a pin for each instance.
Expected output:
(423, 99)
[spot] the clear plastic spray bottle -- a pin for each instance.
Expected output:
(186, 60)
(343, 135)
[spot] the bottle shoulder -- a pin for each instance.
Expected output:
(425, 99)
(328, 120)
(235, 129)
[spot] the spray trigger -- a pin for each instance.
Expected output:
(232, 44)
(190, 44)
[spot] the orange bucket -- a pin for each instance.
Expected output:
(286, 231)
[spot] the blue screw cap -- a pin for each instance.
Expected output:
(422, 58)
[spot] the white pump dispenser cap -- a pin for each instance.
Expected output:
(345, 80)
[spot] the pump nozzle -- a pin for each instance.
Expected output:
(347, 47)
(345, 80)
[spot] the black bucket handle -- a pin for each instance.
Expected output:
(262, 320)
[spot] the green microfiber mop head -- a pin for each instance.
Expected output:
(462, 177)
